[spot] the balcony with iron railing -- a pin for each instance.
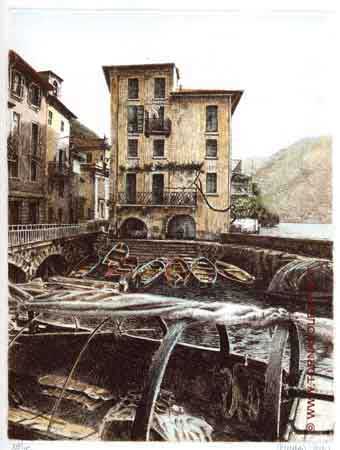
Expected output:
(59, 169)
(157, 126)
(165, 198)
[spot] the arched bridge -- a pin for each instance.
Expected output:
(32, 249)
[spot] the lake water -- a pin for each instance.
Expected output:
(301, 230)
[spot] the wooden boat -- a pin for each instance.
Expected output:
(234, 274)
(177, 273)
(147, 273)
(203, 271)
(119, 251)
(91, 385)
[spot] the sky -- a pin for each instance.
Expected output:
(281, 60)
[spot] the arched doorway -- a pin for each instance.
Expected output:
(181, 227)
(133, 228)
(52, 265)
(16, 274)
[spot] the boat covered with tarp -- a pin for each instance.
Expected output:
(308, 279)
(97, 382)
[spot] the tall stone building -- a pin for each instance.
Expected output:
(26, 151)
(162, 137)
(59, 168)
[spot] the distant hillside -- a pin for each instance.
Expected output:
(251, 165)
(296, 182)
(80, 130)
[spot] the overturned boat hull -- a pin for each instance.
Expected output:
(207, 394)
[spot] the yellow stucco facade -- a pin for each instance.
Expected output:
(153, 181)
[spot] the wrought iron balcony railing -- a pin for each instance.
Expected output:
(166, 198)
(157, 126)
(58, 169)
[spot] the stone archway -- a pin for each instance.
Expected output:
(181, 226)
(16, 274)
(133, 228)
(54, 264)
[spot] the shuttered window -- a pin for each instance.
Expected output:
(35, 138)
(135, 119)
(211, 118)
(211, 187)
(211, 148)
(133, 88)
(132, 148)
(159, 91)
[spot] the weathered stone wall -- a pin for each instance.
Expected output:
(30, 257)
(305, 247)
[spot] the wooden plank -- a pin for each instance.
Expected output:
(36, 422)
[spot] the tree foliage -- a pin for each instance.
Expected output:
(252, 207)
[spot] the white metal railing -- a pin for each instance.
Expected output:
(27, 234)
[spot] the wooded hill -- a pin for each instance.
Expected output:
(296, 182)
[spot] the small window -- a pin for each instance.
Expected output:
(159, 88)
(211, 183)
(158, 148)
(15, 123)
(88, 158)
(62, 125)
(211, 148)
(132, 148)
(17, 85)
(133, 88)
(35, 95)
(211, 118)
(50, 117)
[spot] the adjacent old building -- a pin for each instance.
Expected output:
(59, 169)
(91, 156)
(241, 184)
(162, 138)
(27, 103)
